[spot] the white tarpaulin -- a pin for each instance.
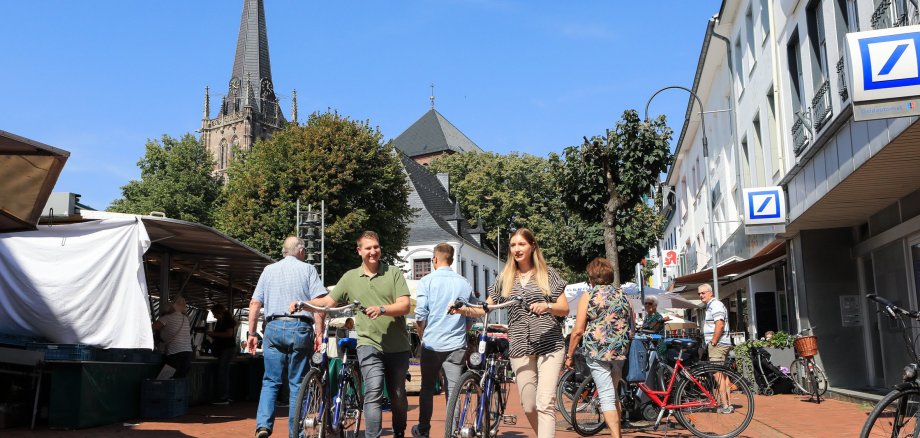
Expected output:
(77, 283)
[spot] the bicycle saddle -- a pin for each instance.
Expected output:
(683, 343)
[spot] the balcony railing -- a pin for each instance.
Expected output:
(887, 14)
(799, 135)
(842, 80)
(821, 105)
(882, 16)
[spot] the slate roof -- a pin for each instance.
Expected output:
(433, 133)
(251, 59)
(430, 224)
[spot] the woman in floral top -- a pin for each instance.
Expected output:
(603, 325)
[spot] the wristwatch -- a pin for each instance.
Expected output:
(253, 334)
(383, 310)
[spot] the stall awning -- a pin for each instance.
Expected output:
(30, 170)
(770, 254)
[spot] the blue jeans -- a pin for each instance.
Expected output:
(377, 367)
(287, 345)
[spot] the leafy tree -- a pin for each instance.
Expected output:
(605, 181)
(506, 192)
(175, 179)
(331, 158)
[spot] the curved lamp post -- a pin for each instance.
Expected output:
(712, 234)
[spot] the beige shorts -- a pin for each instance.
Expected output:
(718, 353)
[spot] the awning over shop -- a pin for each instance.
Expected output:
(737, 270)
(29, 169)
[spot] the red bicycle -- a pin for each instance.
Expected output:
(709, 399)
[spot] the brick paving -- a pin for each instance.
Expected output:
(776, 416)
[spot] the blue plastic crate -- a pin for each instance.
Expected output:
(65, 351)
(164, 398)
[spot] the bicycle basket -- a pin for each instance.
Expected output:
(806, 346)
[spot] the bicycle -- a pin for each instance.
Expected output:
(318, 413)
(565, 390)
(477, 408)
(808, 377)
(898, 413)
(709, 399)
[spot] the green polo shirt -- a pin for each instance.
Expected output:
(386, 333)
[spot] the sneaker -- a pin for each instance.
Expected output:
(726, 409)
(399, 434)
(417, 434)
(262, 433)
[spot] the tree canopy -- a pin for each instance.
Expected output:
(507, 192)
(175, 179)
(331, 158)
(606, 180)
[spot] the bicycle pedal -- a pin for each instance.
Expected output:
(509, 420)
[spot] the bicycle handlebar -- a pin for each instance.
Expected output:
(891, 309)
(458, 304)
(303, 305)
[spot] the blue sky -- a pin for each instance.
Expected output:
(98, 78)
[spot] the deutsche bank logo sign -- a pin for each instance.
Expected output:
(890, 61)
(764, 206)
(884, 72)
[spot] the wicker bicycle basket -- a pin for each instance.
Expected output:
(806, 346)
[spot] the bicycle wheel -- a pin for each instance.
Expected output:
(587, 418)
(565, 394)
(463, 406)
(353, 404)
(799, 370)
(497, 401)
(727, 403)
(311, 422)
(894, 416)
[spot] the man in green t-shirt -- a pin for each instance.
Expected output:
(383, 341)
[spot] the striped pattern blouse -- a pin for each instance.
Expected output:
(528, 333)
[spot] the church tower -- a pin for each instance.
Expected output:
(250, 109)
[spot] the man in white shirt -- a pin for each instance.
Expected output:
(573, 293)
(715, 331)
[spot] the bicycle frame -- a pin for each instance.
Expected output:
(488, 377)
(661, 398)
(323, 362)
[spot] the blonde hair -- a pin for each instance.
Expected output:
(505, 282)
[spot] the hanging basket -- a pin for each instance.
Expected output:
(806, 346)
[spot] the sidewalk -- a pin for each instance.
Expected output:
(776, 416)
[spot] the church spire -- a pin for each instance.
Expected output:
(251, 63)
(294, 106)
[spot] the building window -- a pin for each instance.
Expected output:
(222, 155)
(420, 268)
(775, 152)
(487, 279)
(463, 268)
(476, 279)
(795, 72)
(751, 51)
(817, 38)
(745, 164)
(739, 68)
(765, 20)
(759, 165)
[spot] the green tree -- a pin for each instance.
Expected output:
(331, 158)
(605, 181)
(175, 179)
(507, 192)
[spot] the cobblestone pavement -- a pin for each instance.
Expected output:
(776, 416)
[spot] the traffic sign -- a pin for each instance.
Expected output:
(764, 206)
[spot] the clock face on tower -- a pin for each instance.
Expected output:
(268, 90)
(234, 84)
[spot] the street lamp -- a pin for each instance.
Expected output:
(712, 232)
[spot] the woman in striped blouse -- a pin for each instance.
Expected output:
(534, 328)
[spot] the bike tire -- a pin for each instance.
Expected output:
(895, 411)
(462, 405)
(586, 415)
(709, 421)
(800, 376)
(565, 393)
(310, 398)
(353, 404)
(498, 399)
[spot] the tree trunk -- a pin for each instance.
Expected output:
(610, 226)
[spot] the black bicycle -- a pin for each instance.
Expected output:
(898, 413)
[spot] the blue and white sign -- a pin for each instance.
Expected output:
(764, 206)
(885, 71)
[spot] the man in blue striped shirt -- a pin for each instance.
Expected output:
(289, 339)
(443, 335)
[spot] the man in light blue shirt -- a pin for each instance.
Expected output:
(443, 335)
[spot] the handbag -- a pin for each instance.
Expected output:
(636, 362)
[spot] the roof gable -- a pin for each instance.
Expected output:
(432, 133)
